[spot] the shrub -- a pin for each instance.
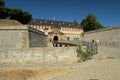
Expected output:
(83, 53)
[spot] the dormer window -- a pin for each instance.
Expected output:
(51, 22)
(34, 20)
(45, 21)
(69, 25)
(59, 23)
(40, 21)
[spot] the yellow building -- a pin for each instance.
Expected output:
(57, 30)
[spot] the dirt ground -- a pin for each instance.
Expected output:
(31, 74)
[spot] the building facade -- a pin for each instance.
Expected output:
(57, 30)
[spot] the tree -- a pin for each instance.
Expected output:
(26, 17)
(75, 22)
(2, 3)
(90, 23)
(20, 15)
(4, 12)
(15, 14)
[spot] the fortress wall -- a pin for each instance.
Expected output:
(37, 38)
(38, 55)
(108, 34)
(20, 36)
(13, 37)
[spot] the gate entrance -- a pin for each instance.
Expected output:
(55, 39)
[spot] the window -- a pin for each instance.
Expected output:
(71, 29)
(40, 21)
(40, 27)
(63, 28)
(34, 20)
(59, 23)
(75, 39)
(68, 38)
(37, 27)
(45, 21)
(69, 24)
(51, 22)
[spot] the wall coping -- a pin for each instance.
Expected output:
(35, 30)
(101, 30)
(20, 27)
(39, 48)
(13, 27)
(7, 22)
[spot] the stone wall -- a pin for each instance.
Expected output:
(38, 55)
(14, 37)
(37, 38)
(108, 34)
(20, 36)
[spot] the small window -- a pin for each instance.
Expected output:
(34, 20)
(69, 25)
(51, 22)
(59, 23)
(68, 38)
(45, 21)
(40, 21)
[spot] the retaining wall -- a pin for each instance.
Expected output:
(21, 36)
(108, 34)
(38, 55)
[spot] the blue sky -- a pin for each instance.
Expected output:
(107, 11)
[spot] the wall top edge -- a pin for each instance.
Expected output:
(105, 29)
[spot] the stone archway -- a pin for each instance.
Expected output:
(55, 38)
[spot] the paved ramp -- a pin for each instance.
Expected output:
(105, 66)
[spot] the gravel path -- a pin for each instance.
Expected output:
(105, 66)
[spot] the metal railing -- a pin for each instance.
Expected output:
(110, 44)
(91, 46)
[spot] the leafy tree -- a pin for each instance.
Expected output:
(2, 3)
(4, 12)
(27, 17)
(91, 23)
(20, 15)
(15, 14)
(75, 22)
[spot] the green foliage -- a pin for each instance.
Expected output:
(91, 23)
(20, 15)
(15, 14)
(83, 54)
(75, 22)
(4, 12)
(2, 3)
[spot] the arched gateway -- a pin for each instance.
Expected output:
(55, 39)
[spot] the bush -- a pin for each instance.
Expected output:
(83, 53)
